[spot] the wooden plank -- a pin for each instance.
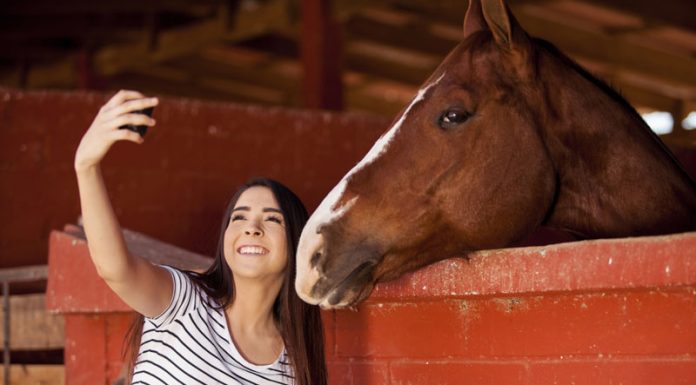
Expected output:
(37, 375)
(25, 273)
(154, 250)
(31, 326)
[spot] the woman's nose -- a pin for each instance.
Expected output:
(253, 229)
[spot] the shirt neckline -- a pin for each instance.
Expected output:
(238, 355)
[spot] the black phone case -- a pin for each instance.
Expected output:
(142, 130)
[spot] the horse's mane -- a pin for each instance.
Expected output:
(608, 90)
(482, 39)
(597, 82)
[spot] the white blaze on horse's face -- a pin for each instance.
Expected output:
(328, 211)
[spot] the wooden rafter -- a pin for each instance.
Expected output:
(647, 52)
(177, 42)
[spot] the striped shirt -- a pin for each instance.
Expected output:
(190, 343)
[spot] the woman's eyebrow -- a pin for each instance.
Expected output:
(265, 210)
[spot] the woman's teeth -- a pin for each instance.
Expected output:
(252, 250)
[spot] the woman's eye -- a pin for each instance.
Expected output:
(275, 219)
(450, 118)
(237, 217)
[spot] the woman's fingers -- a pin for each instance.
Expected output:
(126, 135)
(120, 97)
(130, 106)
(134, 119)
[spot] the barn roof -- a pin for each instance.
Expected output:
(380, 50)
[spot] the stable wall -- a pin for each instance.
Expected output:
(603, 312)
(176, 185)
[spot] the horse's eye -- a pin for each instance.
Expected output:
(450, 118)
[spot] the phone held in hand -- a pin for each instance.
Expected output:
(137, 128)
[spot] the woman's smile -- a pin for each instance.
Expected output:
(252, 250)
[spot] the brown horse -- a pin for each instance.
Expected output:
(507, 134)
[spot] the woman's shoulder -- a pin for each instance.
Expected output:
(188, 294)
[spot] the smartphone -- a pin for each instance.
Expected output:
(139, 129)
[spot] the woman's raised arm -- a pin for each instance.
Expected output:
(143, 286)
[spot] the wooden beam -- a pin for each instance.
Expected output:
(37, 30)
(379, 96)
(641, 97)
(390, 62)
(639, 90)
(321, 52)
(675, 12)
(171, 44)
(231, 67)
(365, 26)
(24, 273)
(72, 7)
(31, 326)
(610, 49)
(253, 66)
(617, 50)
(388, 27)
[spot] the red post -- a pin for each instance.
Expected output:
(321, 56)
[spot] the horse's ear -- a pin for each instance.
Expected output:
(506, 30)
(473, 20)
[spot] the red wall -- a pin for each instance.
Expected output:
(601, 312)
(175, 186)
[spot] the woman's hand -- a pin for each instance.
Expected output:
(104, 131)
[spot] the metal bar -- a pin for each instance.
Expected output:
(6, 331)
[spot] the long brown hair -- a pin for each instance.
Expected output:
(299, 323)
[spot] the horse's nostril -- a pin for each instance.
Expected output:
(315, 259)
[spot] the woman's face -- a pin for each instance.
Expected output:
(255, 241)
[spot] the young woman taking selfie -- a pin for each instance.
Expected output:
(240, 322)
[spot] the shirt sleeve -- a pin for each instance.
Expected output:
(184, 297)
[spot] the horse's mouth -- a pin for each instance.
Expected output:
(350, 291)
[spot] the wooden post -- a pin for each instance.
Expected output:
(6, 331)
(87, 78)
(321, 56)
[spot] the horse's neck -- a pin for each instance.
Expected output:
(615, 177)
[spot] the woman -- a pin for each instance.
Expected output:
(240, 322)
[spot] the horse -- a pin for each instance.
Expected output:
(507, 134)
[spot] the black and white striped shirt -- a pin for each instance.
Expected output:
(190, 343)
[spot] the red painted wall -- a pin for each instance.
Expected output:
(176, 185)
(601, 312)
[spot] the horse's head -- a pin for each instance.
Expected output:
(464, 167)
